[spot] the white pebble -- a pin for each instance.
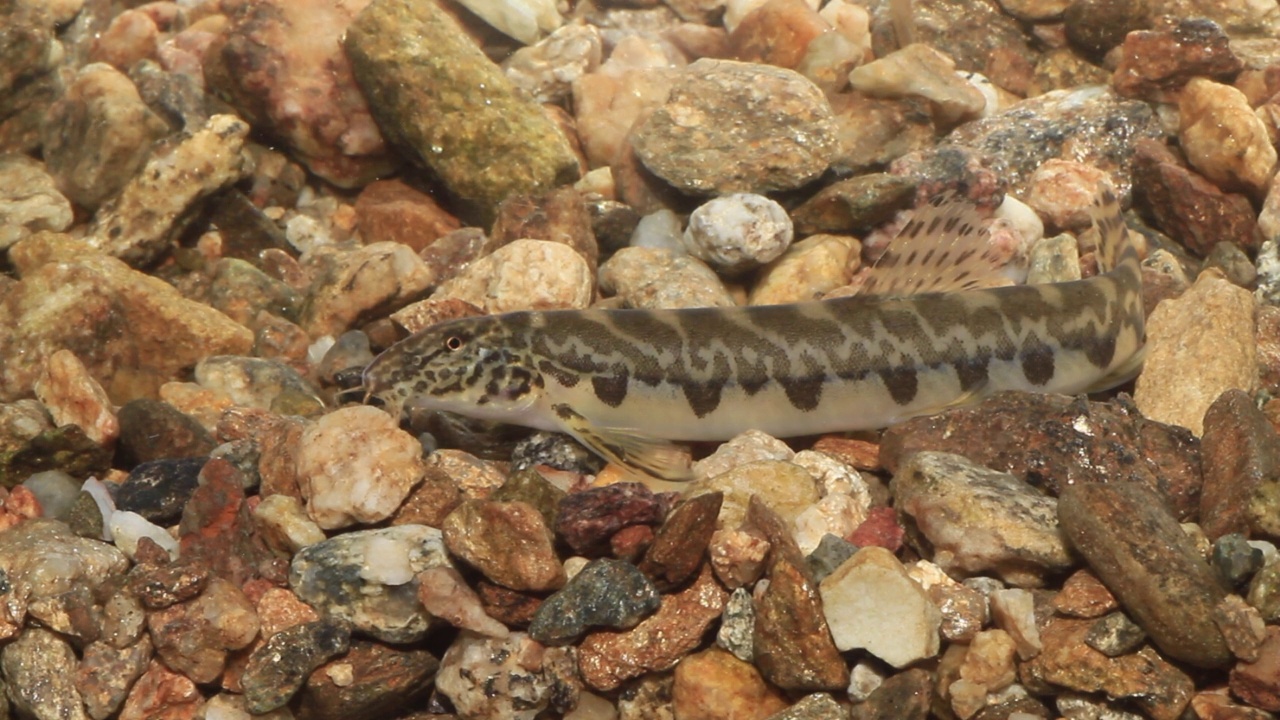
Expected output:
(128, 528)
(737, 233)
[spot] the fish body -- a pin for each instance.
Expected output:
(621, 381)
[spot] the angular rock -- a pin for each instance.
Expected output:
(158, 490)
(41, 669)
(606, 593)
(510, 678)
(680, 544)
(106, 673)
(587, 519)
(370, 681)
(1241, 453)
(279, 667)
(1258, 682)
(1223, 138)
(902, 696)
(714, 684)
(608, 659)
(976, 519)
(1138, 550)
(508, 542)
(1156, 63)
(217, 529)
(194, 637)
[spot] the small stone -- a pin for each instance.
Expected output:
(608, 658)
(522, 152)
(446, 595)
(47, 559)
(55, 491)
(777, 32)
(680, 544)
(964, 610)
(987, 668)
(194, 637)
(113, 131)
(977, 519)
(589, 518)
(1241, 452)
(1235, 560)
(1258, 682)
(508, 542)
(29, 202)
(524, 275)
(918, 69)
(1223, 138)
(560, 215)
(159, 489)
(154, 430)
(356, 466)
(106, 673)
(548, 69)
(513, 677)
(1014, 611)
(787, 488)
(739, 232)
(41, 670)
(73, 397)
(656, 278)
(830, 554)
(369, 578)
(902, 696)
(129, 530)
(1138, 550)
(1156, 63)
(1218, 706)
(278, 668)
(737, 626)
(1160, 689)
(1264, 592)
(158, 587)
(390, 210)
(738, 556)
(139, 225)
(751, 118)
(360, 281)
(216, 530)
(1099, 25)
(1115, 635)
(713, 684)
(368, 677)
(1210, 328)
(606, 593)
(284, 524)
(808, 270)
(856, 598)
(161, 694)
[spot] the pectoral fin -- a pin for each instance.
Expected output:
(651, 456)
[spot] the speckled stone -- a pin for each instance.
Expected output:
(337, 578)
(1099, 25)
(1154, 64)
(902, 696)
(217, 529)
(508, 542)
(656, 278)
(524, 275)
(1138, 550)
(747, 141)
(41, 669)
(680, 544)
(1241, 452)
(522, 150)
(106, 673)
(1223, 138)
(369, 682)
(194, 637)
(559, 215)
(30, 202)
(159, 489)
(606, 593)
(278, 668)
(587, 519)
(358, 281)
(714, 684)
(513, 677)
(151, 430)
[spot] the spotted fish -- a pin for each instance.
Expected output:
(627, 382)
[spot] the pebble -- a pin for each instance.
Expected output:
(1210, 328)
(73, 397)
(524, 275)
(548, 69)
(128, 529)
(46, 559)
(785, 487)
(1192, 210)
(987, 669)
(394, 211)
(1223, 138)
(964, 610)
(523, 150)
(1137, 549)
(1014, 611)
(369, 677)
(106, 673)
(737, 625)
(355, 465)
(902, 696)
(857, 203)
(194, 637)
(55, 491)
(483, 533)
(1241, 451)
(606, 593)
(588, 519)
(918, 69)
(446, 595)
(98, 135)
(284, 525)
(30, 202)
(976, 519)
(807, 271)
(140, 224)
(680, 543)
(780, 33)
(513, 677)
(1258, 682)
(526, 22)
(1020, 139)
(369, 578)
(1115, 635)
(1264, 592)
(379, 276)
(301, 88)
(714, 684)
(607, 659)
(1057, 433)
(159, 489)
(161, 694)
(792, 643)
(1159, 688)
(654, 278)
(59, 304)
(738, 556)
(242, 292)
(1234, 560)
(759, 129)
(1156, 63)
(871, 603)
(41, 669)
(278, 668)
(738, 233)
(151, 430)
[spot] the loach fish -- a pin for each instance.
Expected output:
(628, 382)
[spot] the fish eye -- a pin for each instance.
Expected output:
(453, 342)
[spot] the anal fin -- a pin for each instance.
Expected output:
(651, 456)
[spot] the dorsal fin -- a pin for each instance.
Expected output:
(944, 247)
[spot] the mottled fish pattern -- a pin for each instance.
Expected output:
(621, 380)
